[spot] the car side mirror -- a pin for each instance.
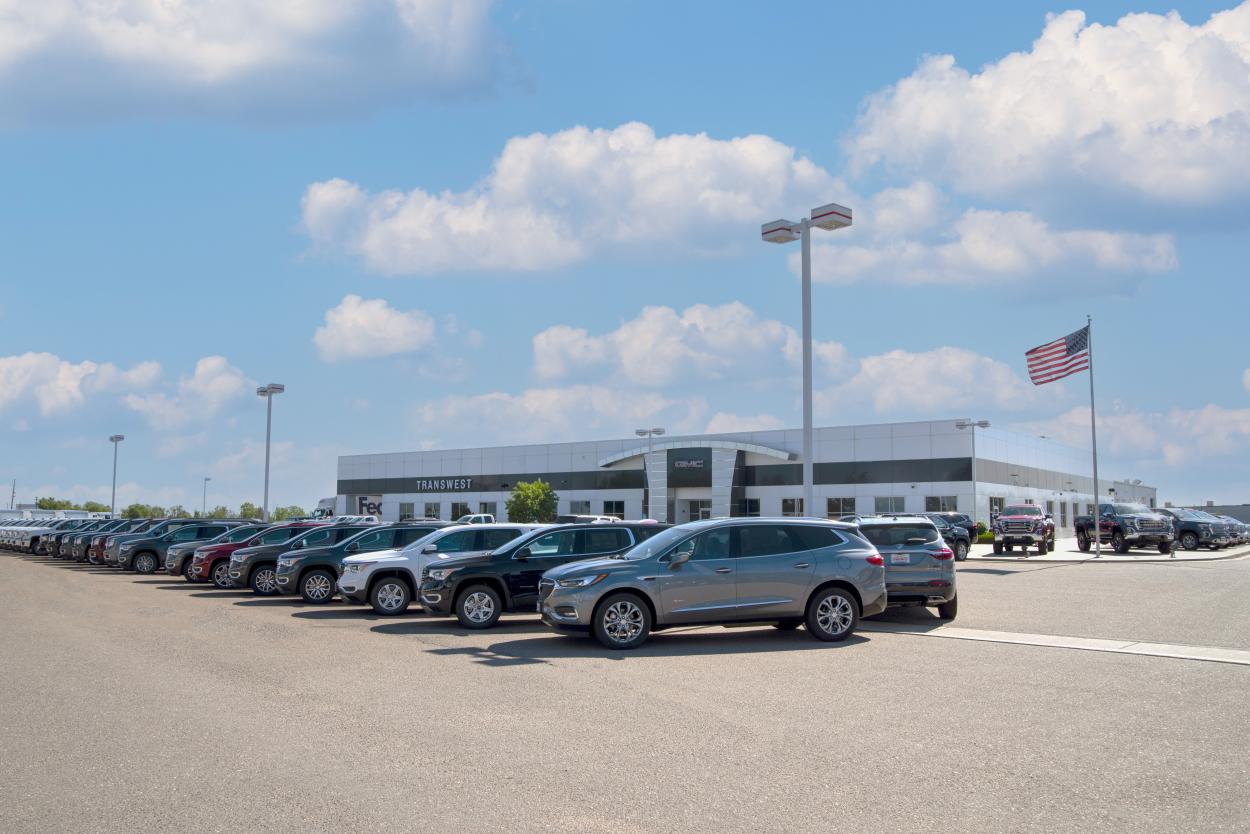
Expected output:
(430, 548)
(679, 558)
(353, 548)
(297, 545)
(523, 554)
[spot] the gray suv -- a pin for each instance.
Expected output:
(919, 566)
(790, 572)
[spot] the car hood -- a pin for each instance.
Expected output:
(457, 561)
(589, 566)
(258, 550)
(374, 556)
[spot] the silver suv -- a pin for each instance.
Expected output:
(790, 571)
(919, 566)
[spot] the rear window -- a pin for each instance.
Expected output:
(812, 537)
(889, 535)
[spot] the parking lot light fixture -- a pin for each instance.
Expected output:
(204, 499)
(268, 392)
(829, 217)
(115, 439)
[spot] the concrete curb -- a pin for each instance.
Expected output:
(1110, 560)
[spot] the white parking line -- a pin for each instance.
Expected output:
(1211, 654)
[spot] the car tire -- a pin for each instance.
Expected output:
(145, 563)
(787, 625)
(1189, 541)
(1051, 547)
(478, 607)
(998, 547)
(264, 580)
(622, 622)
(832, 615)
(961, 551)
(220, 574)
(317, 587)
(1042, 549)
(390, 596)
(1008, 547)
(1118, 543)
(1082, 542)
(1165, 548)
(948, 610)
(188, 570)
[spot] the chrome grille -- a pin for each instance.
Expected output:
(545, 587)
(1018, 526)
(1151, 525)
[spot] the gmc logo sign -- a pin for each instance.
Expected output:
(688, 464)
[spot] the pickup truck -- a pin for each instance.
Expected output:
(1125, 526)
(1024, 525)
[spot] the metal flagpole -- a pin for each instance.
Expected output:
(1093, 435)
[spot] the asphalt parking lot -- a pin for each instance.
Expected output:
(145, 704)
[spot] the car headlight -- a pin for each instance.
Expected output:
(1205, 528)
(357, 567)
(126, 548)
(581, 581)
(287, 563)
(440, 574)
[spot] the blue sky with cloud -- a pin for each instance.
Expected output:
(445, 224)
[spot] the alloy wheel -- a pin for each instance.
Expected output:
(479, 607)
(266, 581)
(622, 621)
(317, 586)
(834, 614)
(390, 595)
(221, 575)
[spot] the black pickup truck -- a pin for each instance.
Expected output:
(1125, 526)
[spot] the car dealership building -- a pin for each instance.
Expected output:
(891, 467)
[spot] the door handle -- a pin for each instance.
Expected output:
(801, 565)
(724, 570)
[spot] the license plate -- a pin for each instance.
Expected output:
(900, 559)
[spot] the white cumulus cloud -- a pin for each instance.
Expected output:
(1176, 438)
(58, 385)
(86, 60)
(214, 384)
(555, 199)
(1151, 105)
(723, 422)
(361, 328)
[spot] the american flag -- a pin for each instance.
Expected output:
(1060, 358)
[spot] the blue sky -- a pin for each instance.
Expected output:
(467, 224)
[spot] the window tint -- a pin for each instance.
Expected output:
(763, 540)
(211, 531)
(492, 539)
(554, 544)
(604, 541)
(887, 535)
(644, 533)
(714, 544)
(339, 535)
(377, 540)
(242, 534)
(185, 534)
(457, 542)
(810, 537)
(316, 537)
(277, 536)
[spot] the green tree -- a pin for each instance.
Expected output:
(249, 510)
(56, 504)
(283, 513)
(139, 511)
(532, 502)
(220, 511)
(95, 507)
(178, 511)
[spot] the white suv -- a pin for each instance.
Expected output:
(388, 579)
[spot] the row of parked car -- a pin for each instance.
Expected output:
(618, 581)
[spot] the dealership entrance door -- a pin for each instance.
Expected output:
(699, 509)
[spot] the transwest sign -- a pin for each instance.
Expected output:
(443, 484)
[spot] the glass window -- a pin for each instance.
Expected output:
(1050, 508)
(1063, 513)
(751, 507)
(813, 537)
(240, 534)
(376, 540)
(211, 531)
(579, 508)
(604, 541)
(460, 508)
(457, 542)
(560, 543)
(488, 507)
(431, 509)
(940, 503)
(280, 535)
(492, 539)
(996, 505)
(763, 540)
(714, 544)
(886, 535)
(406, 510)
(185, 534)
(317, 537)
(792, 507)
(890, 504)
(616, 509)
(838, 507)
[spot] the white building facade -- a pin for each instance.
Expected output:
(892, 467)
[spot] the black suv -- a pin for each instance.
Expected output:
(146, 554)
(959, 520)
(312, 570)
(953, 533)
(256, 567)
(478, 589)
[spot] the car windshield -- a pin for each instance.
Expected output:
(894, 535)
(657, 544)
(1129, 509)
(1023, 509)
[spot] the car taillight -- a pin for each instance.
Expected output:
(944, 553)
(875, 559)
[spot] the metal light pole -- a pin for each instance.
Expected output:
(973, 425)
(829, 217)
(204, 500)
(115, 439)
(268, 392)
(649, 434)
